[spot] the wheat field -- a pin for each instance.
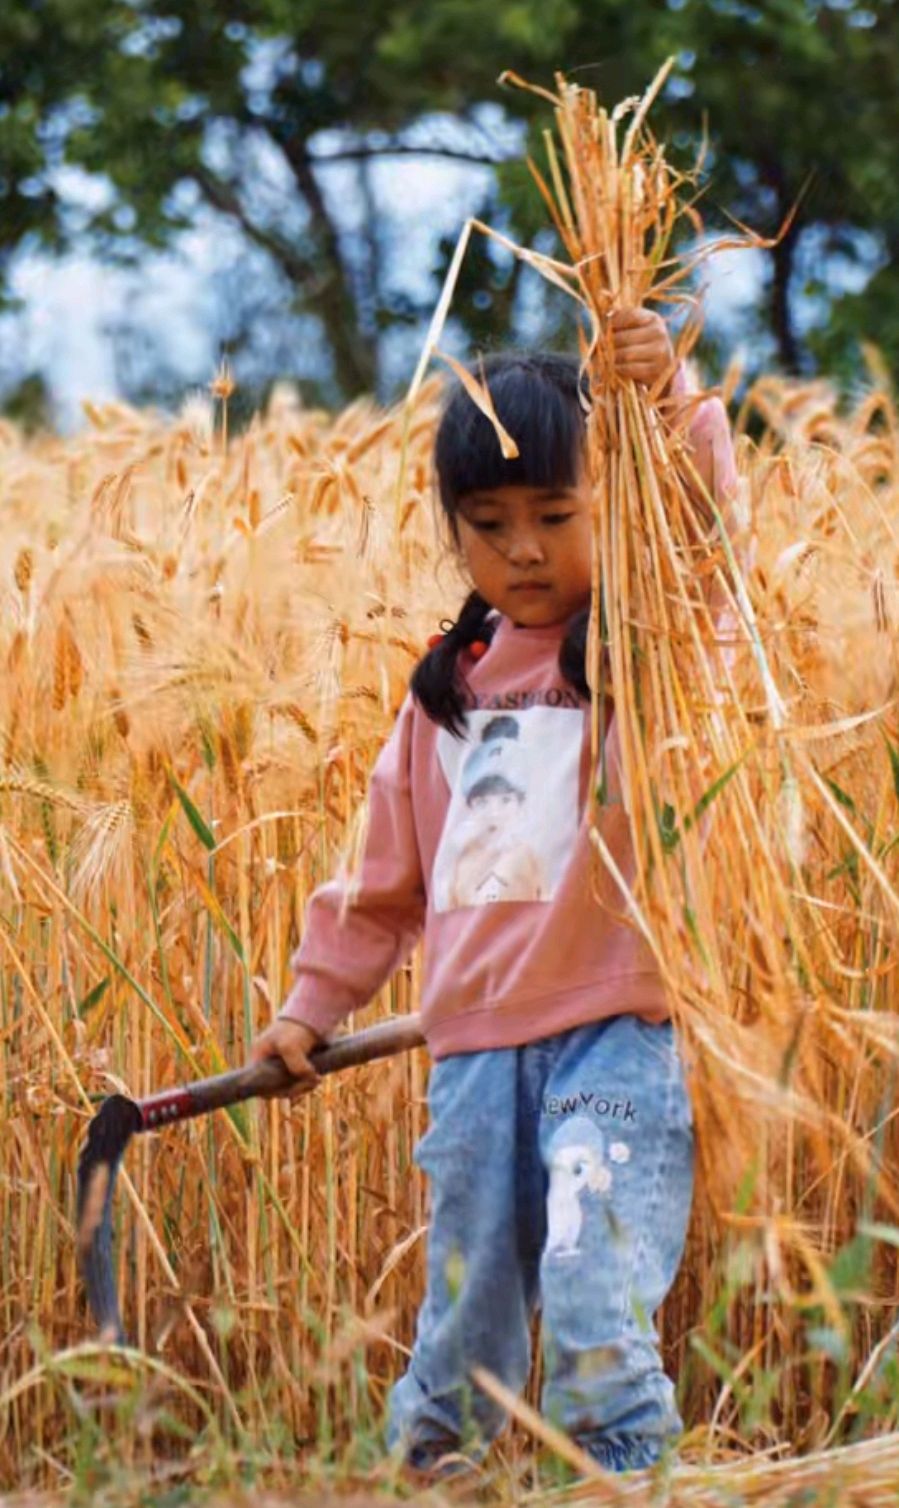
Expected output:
(204, 641)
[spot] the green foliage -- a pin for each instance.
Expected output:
(170, 102)
(830, 1349)
(28, 403)
(193, 816)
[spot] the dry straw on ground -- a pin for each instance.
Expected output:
(202, 647)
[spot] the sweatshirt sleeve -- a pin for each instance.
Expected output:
(713, 447)
(341, 963)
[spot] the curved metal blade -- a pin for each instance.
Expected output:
(108, 1135)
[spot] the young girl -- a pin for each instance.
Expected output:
(560, 1143)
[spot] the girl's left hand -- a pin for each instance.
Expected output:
(642, 345)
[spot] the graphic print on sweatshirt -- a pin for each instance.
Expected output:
(513, 815)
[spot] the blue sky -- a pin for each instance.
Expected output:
(72, 306)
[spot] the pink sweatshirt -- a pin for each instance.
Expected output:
(481, 845)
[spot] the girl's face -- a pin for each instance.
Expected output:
(516, 535)
(496, 808)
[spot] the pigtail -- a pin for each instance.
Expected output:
(573, 653)
(435, 681)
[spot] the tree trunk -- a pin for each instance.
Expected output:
(324, 282)
(783, 254)
(354, 357)
(781, 306)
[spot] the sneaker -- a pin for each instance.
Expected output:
(621, 1453)
(427, 1465)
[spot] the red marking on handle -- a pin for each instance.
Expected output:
(162, 1109)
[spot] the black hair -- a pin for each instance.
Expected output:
(502, 726)
(536, 396)
(494, 785)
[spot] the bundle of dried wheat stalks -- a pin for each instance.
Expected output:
(772, 919)
(760, 769)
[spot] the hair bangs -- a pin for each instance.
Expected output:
(537, 402)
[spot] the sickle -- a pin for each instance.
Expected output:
(119, 1118)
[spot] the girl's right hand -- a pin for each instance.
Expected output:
(293, 1042)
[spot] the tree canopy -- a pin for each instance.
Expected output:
(176, 103)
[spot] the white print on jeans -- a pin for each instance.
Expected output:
(576, 1167)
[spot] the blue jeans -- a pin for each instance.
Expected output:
(560, 1172)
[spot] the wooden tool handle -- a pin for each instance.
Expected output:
(272, 1076)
